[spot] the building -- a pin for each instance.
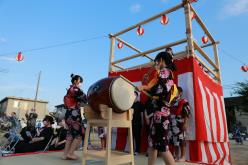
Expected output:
(236, 112)
(20, 106)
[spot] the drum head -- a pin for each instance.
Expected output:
(122, 94)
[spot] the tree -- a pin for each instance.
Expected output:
(241, 89)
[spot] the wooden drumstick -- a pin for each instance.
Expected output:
(124, 78)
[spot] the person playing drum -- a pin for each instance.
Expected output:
(163, 91)
(73, 100)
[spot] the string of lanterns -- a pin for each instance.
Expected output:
(164, 20)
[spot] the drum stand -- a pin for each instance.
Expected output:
(107, 118)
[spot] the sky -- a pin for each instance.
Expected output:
(31, 24)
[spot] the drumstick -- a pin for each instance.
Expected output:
(128, 81)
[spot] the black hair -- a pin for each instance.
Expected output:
(167, 58)
(49, 118)
(180, 89)
(76, 77)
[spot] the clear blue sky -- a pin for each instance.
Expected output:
(31, 24)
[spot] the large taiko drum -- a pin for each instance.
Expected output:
(112, 91)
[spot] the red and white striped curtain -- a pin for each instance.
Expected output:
(207, 136)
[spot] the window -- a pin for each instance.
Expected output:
(16, 104)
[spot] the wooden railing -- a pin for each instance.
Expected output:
(212, 66)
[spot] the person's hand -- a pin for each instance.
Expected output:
(140, 88)
(57, 144)
(184, 127)
(31, 141)
(155, 97)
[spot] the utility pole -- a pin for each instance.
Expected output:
(37, 90)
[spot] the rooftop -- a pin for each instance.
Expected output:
(21, 98)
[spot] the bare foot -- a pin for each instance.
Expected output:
(72, 157)
(64, 157)
(181, 160)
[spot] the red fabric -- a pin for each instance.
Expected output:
(121, 139)
(30, 153)
(178, 110)
(210, 144)
(69, 99)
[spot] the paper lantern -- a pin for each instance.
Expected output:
(19, 57)
(164, 20)
(140, 31)
(193, 15)
(244, 68)
(205, 39)
(193, 1)
(120, 45)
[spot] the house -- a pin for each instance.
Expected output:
(20, 106)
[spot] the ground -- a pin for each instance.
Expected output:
(239, 157)
(239, 153)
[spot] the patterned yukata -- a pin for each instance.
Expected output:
(164, 89)
(73, 117)
(180, 111)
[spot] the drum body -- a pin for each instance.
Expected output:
(114, 92)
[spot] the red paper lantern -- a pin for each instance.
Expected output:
(19, 57)
(120, 45)
(140, 31)
(193, 15)
(244, 68)
(193, 1)
(205, 39)
(164, 20)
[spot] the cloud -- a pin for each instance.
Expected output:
(2, 40)
(15, 87)
(135, 8)
(235, 7)
(163, 1)
(11, 59)
(20, 87)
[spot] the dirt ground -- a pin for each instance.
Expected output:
(239, 153)
(239, 156)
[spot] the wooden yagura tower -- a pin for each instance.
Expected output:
(198, 74)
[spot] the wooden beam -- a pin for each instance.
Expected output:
(203, 26)
(118, 66)
(189, 33)
(201, 51)
(151, 51)
(210, 44)
(180, 55)
(132, 47)
(209, 69)
(217, 60)
(111, 56)
(150, 19)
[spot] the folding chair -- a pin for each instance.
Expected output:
(48, 144)
(10, 146)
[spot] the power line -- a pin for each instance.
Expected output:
(54, 46)
(231, 56)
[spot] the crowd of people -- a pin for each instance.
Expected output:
(32, 137)
(164, 116)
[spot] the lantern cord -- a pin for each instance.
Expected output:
(231, 56)
(55, 45)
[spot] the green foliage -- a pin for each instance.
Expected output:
(241, 89)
